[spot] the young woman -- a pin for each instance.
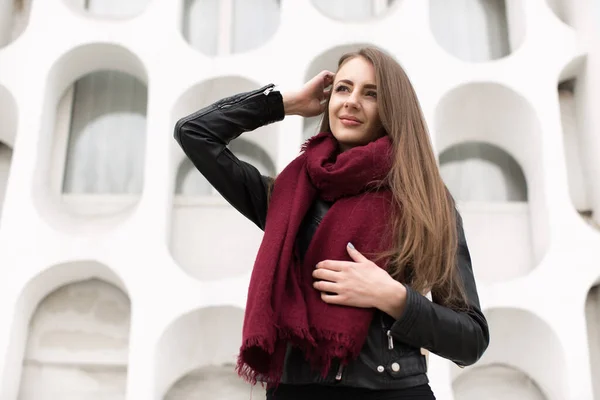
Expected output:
(357, 230)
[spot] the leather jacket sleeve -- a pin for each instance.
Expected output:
(462, 335)
(205, 134)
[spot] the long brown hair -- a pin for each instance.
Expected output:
(424, 228)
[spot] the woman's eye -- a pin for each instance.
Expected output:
(341, 88)
(373, 94)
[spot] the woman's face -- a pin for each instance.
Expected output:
(353, 115)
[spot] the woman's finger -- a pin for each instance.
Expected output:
(335, 265)
(326, 74)
(328, 287)
(332, 298)
(355, 254)
(325, 274)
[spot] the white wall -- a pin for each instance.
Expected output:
(160, 258)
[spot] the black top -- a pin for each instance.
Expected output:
(320, 392)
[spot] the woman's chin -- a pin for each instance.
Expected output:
(348, 144)
(349, 138)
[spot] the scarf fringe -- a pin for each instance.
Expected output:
(320, 348)
(311, 139)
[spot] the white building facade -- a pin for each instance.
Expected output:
(123, 275)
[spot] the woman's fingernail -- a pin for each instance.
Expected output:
(351, 246)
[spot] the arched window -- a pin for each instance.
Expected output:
(78, 334)
(213, 335)
(477, 171)
(484, 133)
(190, 182)
(353, 10)
(592, 313)
(496, 382)
(509, 369)
(14, 17)
(110, 8)
(221, 27)
(106, 146)
(5, 158)
(477, 30)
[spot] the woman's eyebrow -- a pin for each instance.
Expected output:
(349, 82)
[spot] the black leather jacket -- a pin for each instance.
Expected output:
(391, 358)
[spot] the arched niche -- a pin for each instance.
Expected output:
(484, 177)
(592, 313)
(196, 356)
(201, 217)
(561, 9)
(220, 382)
(504, 224)
(327, 60)
(14, 18)
(530, 366)
(89, 169)
(499, 174)
(498, 382)
(189, 182)
(8, 131)
(478, 30)
(580, 143)
(8, 116)
(70, 324)
(113, 9)
(5, 159)
(224, 27)
(354, 10)
(578, 14)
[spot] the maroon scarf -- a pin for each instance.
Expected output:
(282, 306)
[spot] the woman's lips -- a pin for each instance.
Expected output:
(350, 122)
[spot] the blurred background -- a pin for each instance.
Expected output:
(124, 274)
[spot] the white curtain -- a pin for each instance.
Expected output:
(481, 172)
(107, 135)
(352, 10)
(472, 30)
(110, 8)
(249, 24)
(200, 24)
(254, 22)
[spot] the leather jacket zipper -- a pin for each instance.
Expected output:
(338, 376)
(264, 91)
(388, 333)
(390, 340)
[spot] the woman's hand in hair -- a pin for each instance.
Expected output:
(359, 283)
(310, 100)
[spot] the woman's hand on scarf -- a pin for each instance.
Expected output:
(359, 283)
